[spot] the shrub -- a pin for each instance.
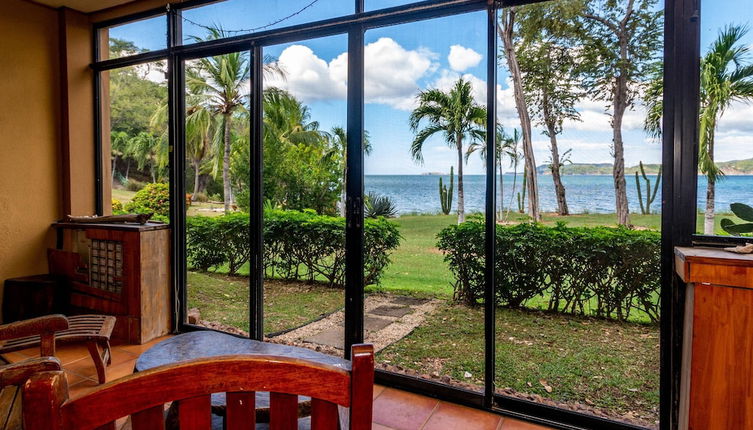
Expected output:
(133, 185)
(378, 205)
(298, 245)
(200, 197)
(117, 206)
(152, 198)
(608, 272)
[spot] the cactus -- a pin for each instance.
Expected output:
(522, 198)
(445, 195)
(745, 213)
(650, 194)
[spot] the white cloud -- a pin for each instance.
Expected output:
(462, 58)
(307, 76)
(391, 73)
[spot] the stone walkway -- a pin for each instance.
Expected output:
(387, 319)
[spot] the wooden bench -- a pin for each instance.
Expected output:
(94, 330)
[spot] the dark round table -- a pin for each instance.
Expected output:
(203, 344)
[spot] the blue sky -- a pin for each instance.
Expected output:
(400, 60)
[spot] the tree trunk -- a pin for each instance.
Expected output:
(226, 166)
(514, 186)
(128, 168)
(559, 188)
(461, 194)
(114, 166)
(501, 191)
(506, 33)
(196, 180)
(618, 170)
(343, 194)
(708, 217)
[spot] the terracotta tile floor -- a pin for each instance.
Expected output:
(393, 409)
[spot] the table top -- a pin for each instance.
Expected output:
(202, 344)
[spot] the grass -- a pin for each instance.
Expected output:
(603, 363)
(224, 299)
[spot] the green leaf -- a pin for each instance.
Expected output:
(742, 211)
(732, 228)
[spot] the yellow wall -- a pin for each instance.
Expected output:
(30, 183)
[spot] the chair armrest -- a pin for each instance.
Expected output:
(18, 373)
(47, 324)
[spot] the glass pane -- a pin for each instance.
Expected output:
(235, 17)
(726, 156)
(134, 37)
(305, 114)
(134, 126)
(415, 70)
(578, 295)
(217, 173)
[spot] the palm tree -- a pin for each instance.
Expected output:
(338, 138)
(725, 79)
(149, 151)
(505, 147)
(455, 115)
(222, 79)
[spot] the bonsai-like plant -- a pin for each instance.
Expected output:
(745, 213)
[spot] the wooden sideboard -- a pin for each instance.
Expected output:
(121, 270)
(717, 372)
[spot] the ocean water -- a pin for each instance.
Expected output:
(585, 193)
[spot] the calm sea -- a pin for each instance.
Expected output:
(585, 193)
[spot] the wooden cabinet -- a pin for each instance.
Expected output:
(717, 379)
(121, 270)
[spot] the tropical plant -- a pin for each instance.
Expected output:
(338, 137)
(221, 80)
(302, 165)
(506, 147)
(650, 194)
(456, 116)
(150, 152)
(745, 213)
(507, 32)
(378, 205)
(445, 194)
(514, 142)
(726, 77)
(623, 40)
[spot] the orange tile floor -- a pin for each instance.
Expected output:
(393, 409)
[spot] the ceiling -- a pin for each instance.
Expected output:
(85, 6)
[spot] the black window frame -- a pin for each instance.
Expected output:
(679, 189)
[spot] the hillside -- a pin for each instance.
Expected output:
(734, 167)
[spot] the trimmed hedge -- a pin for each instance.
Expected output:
(299, 246)
(602, 271)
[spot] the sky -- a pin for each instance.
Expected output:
(402, 60)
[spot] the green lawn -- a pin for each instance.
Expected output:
(224, 299)
(607, 364)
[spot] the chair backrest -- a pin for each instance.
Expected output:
(190, 384)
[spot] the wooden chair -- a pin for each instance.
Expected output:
(12, 376)
(143, 395)
(45, 332)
